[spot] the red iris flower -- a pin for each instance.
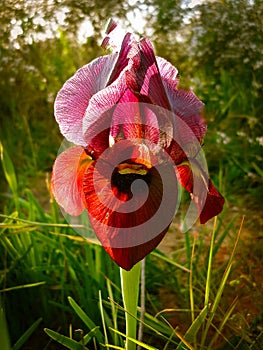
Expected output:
(136, 135)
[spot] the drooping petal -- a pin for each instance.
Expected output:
(67, 176)
(204, 194)
(73, 98)
(129, 208)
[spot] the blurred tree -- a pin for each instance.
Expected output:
(39, 50)
(217, 47)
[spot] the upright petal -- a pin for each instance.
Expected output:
(135, 119)
(73, 98)
(144, 76)
(98, 116)
(187, 107)
(66, 182)
(168, 72)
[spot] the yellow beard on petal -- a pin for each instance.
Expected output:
(126, 168)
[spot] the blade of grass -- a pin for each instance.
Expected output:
(4, 335)
(21, 341)
(222, 324)
(191, 333)
(103, 319)
(30, 285)
(152, 323)
(66, 341)
(165, 258)
(191, 294)
(88, 337)
(145, 346)
(114, 310)
(85, 318)
(221, 288)
(10, 174)
(209, 267)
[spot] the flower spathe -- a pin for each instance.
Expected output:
(137, 135)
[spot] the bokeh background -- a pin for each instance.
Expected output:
(217, 47)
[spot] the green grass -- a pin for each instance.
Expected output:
(58, 288)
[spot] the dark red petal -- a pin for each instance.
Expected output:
(108, 41)
(206, 197)
(129, 221)
(66, 182)
(213, 205)
(144, 76)
(123, 58)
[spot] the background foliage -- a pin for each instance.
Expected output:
(218, 49)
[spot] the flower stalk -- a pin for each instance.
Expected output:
(130, 282)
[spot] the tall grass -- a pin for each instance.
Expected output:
(59, 290)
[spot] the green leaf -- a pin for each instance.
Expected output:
(87, 338)
(21, 341)
(85, 318)
(145, 346)
(9, 172)
(191, 333)
(4, 335)
(66, 341)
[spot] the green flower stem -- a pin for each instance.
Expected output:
(130, 283)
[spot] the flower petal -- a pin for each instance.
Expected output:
(144, 76)
(98, 116)
(123, 58)
(140, 121)
(206, 197)
(73, 98)
(168, 72)
(128, 211)
(66, 182)
(187, 107)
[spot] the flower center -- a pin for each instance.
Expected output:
(126, 173)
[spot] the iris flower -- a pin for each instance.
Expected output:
(136, 136)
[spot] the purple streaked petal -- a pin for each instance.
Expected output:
(123, 59)
(140, 121)
(98, 116)
(187, 107)
(168, 72)
(73, 98)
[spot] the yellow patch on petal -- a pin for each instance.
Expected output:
(126, 168)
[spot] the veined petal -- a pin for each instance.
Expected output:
(123, 57)
(206, 197)
(134, 118)
(98, 116)
(187, 107)
(73, 98)
(144, 76)
(66, 182)
(168, 72)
